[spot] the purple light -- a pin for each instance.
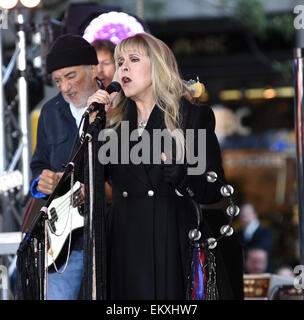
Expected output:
(113, 26)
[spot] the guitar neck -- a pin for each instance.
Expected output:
(78, 198)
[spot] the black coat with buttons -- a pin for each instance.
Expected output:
(149, 222)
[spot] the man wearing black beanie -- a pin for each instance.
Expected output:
(72, 62)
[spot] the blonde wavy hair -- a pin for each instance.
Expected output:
(167, 85)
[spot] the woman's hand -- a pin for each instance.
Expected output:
(102, 97)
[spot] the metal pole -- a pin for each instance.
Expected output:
(299, 126)
(23, 102)
(140, 9)
(3, 199)
(91, 230)
(2, 116)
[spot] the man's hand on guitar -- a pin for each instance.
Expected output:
(48, 180)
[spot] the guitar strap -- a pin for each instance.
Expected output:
(34, 206)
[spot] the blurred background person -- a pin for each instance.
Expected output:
(252, 234)
(256, 261)
(106, 67)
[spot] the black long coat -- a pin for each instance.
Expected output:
(149, 222)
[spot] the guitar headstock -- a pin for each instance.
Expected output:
(10, 181)
(197, 89)
(78, 198)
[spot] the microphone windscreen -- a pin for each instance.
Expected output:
(113, 87)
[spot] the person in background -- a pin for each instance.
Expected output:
(256, 261)
(252, 234)
(106, 66)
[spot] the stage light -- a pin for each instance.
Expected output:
(8, 4)
(285, 92)
(30, 3)
(269, 93)
(230, 95)
(257, 93)
(113, 26)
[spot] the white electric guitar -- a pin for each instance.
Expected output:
(64, 217)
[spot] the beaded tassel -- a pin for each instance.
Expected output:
(198, 274)
(211, 288)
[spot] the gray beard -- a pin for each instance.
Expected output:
(83, 103)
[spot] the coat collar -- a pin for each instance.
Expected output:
(155, 121)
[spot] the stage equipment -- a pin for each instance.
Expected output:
(49, 30)
(2, 117)
(113, 26)
(299, 123)
(30, 3)
(14, 135)
(23, 100)
(9, 242)
(22, 90)
(79, 15)
(264, 286)
(287, 292)
(10, 4)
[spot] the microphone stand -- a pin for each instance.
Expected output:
(99, 122)
(37, 229)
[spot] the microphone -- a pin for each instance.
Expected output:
(112, 87)
(100, 84)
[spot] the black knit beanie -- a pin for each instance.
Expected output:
(70, 50)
